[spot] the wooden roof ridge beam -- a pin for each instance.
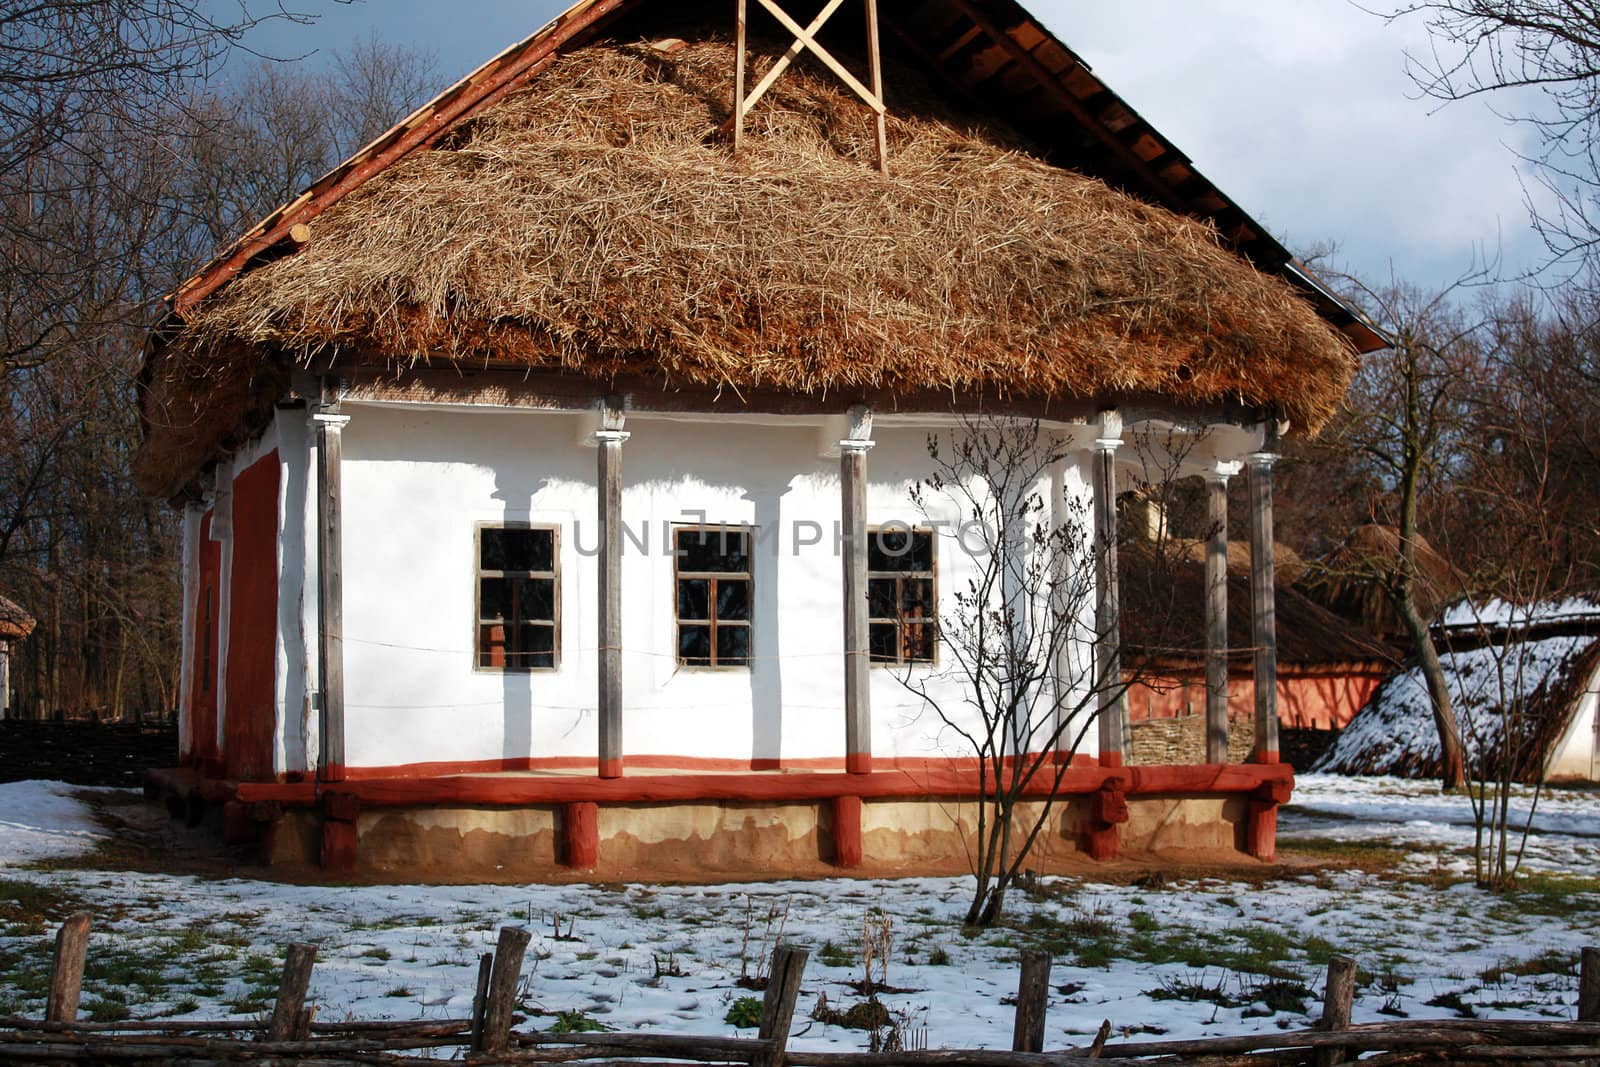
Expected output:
(1052, 84)
(486, 84)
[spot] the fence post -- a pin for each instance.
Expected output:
(1033, 991)
(66, 970)
(777, 1008)
(1338, 998)
(503, 978)
(1589, 986)
(292, 991)
(480, 998)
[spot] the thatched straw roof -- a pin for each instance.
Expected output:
(1163, 612)
(1353, 581)
(594, 222)
(15, 624)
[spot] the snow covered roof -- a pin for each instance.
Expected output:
(1524, 690)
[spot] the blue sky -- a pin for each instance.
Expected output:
(1299, 109)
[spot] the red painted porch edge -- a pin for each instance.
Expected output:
(1200, 780)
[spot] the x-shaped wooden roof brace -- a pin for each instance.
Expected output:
(805, 38)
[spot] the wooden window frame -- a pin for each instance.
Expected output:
(747, 575)
(478, 574)
(900, 622)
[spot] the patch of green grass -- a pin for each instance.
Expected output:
(377, 952)
(1456, 1002)
(832, 955)
(1555, 895)
(939, 957)
(399, 991)
(107, 1010)
(744, 1013)
(1551, 961)
(1372, 854)
(27, 908)
(576, 1022)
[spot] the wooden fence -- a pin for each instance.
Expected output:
(291, 1033)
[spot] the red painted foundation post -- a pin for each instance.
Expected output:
(339, 814)
(580, 835)
(847, 851)
(1261, 829)
(1108, 810)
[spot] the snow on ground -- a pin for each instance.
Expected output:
(41, 820)
(1178, 956)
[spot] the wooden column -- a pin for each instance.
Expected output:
(609, 441)
(1113, 700)
(857, 662)
(1263, 623)
(5, 679)
(1217, 618)
(330, 588)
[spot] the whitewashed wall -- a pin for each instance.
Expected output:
(1577, 755)
(417, 482)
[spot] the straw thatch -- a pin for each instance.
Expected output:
(1163, 612)
(15, 623)
(596, 222)
(1354, 580)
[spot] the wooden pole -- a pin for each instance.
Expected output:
(609, 441)
(777, 1007)
(1589, 986)
(875, 62)
(66, 969)
(330, 586)
(1113, 701)
(1217, 619)
(480, 998)
(5, 679)
(292, 988)
(857, 660)
(1033, 992)
(501, 999)
(1338, 1000)
(738, 77)
(1263, 621)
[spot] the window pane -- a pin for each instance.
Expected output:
(880, 598)
(538, 597)
(694, 645)
(883, 642)
(919, 642)
(733, 599)
(917, 598)
(733, 646)
(504, 549)
(491, 646)
(718, 551)
(897, 549)
(694, 598)
(494, 598)
(537, 638)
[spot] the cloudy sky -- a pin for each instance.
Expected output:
(1299, 109)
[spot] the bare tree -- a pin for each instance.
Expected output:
(1550, 48)
(1406, 417)
(1015, 683)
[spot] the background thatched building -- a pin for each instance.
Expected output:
(417, 639)
(15, 624)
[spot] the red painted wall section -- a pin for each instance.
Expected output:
(1324, 700)
(199, 744)
(253, 624)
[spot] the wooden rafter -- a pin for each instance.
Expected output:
(805, 39)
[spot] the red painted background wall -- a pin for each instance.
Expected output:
(252, 624)
(1313, 700)
(199, 743)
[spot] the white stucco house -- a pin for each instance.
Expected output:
(534, 461)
